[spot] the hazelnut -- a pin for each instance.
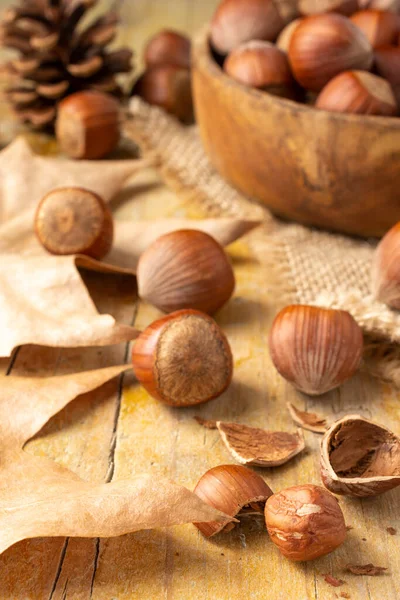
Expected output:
(358, 92)
(74, 221)
(169, 87)
(239, 21)
(386, 269)
(380, 27)
(387, 64)
(235, 491)
(285, 36)
(168, 47)
(305, 522)
(183, 359)
(322, 46)
(185, 269)
(315, 349)
(87, 125)
(261, 65)
(314, 7)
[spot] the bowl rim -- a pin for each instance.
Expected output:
(202, 53)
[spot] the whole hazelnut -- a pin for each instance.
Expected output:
(261, 65)
(169, 87)
(315, 349)
(239, 21)
(185, 269)
(234, 490)
(386, 269)
(358, 92)
(380, 27)
(183, 359)
(74, 221)
(168, 47)
(87, 125)
(322, 46)
(305, 522)
(314, 7)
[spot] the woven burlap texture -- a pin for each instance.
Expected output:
(310, 266)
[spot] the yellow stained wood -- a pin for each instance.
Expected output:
(178, 564)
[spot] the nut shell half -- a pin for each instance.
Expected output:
(360, 458)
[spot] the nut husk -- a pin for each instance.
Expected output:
(360, 458)
(185, 269)
(233, 487)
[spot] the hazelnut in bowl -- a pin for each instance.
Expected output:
(333, 170)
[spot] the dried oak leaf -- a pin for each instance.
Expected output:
(333, 581)
(39, 498)
(369, 569)
(254, 446)
(44, 301)
(307, 420)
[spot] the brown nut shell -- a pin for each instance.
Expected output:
(263, 66)
(185, 269)
(305, 522)
(386, 269)
(168, 47)
(239, 21)
(74, 221)
(170, 88)
(391, 5)
(232, 487)
(322, 46)
(315, 349)
(87, 125)
(387, 64)
(358, 92)
(314, 7)
(360, 458)
(283, 41)
(183, 359)
(380, 27)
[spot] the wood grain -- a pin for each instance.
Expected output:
(116, 433)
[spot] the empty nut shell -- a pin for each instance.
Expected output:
(305, 522)
(74, 221)
(185, 269)
(316, 349)
(230, 488)
(360, 458)
(183, 359)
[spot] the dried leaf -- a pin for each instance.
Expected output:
(307, 420)
(369, 569)
(208, 424)
(333, 581)
(44, 301)
(41, 498)
(253, 446)
(26, 177)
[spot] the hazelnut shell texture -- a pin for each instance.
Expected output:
(185, 269)
(315, 349)
(168, 47)
(231, 487)
(385, 274)
(360, 458)
(314, 7)
(183, 359)
(74, 221)
(380, 27)
(305, 522)
(322, 46)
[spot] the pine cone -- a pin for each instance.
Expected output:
(58, 58)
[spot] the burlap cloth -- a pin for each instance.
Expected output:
(309, 266)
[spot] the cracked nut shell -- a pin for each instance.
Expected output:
(231, 488)
(305, 522)
(183, 359)
(360, 458)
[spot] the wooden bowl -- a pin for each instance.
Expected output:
(331, 170)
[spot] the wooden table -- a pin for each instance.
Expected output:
(120, 430)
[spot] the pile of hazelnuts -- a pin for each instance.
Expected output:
(338, 55)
